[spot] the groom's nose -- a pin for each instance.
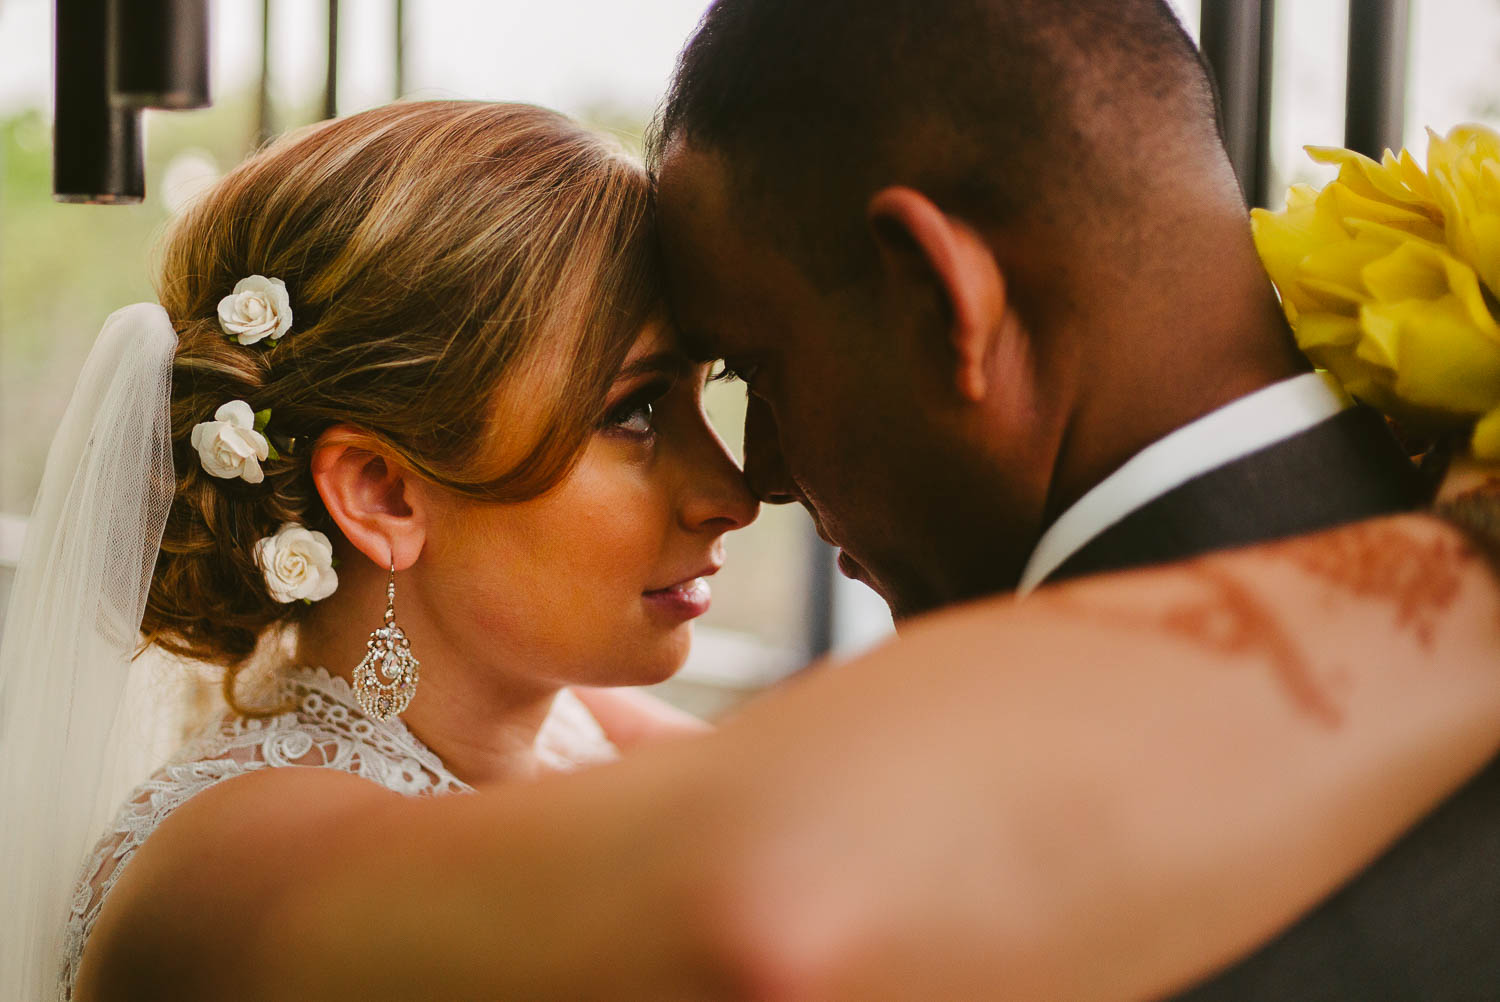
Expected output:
(765, 466)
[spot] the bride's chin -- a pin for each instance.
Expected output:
(666, 660)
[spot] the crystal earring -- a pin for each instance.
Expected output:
(386, 680)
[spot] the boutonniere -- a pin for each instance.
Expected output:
(1390, 278)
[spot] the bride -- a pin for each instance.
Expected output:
(408, 450)
(411, 373)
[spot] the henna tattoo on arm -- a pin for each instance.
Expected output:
(1230, 620)
(1226, 615)
(1383, 562)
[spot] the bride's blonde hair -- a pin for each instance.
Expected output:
(444, 261)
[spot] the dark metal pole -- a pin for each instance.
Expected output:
(159, 51)
(400, 48)
(1375, 100)
(331, 84)
(820, 584)
(263, 125)
(97, 154)
(1260, 191)
(1237, 39)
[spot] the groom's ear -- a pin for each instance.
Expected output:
(376, 503)
(915, 237)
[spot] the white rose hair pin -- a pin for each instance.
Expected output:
(258, 308)
(234, 443)
(296, 562)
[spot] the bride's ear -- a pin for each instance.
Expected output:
(379, 506)
(916, 239)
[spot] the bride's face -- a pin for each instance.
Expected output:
(598, 581)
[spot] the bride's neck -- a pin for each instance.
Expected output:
(483, 728)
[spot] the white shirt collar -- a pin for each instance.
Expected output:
(1249, 424)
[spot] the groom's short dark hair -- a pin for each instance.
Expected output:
(999, 109)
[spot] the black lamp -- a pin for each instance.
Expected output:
(160, 53)
(96, 145)
(113, 59)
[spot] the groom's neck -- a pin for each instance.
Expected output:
(1157, 357)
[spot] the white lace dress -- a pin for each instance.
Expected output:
(325, 729)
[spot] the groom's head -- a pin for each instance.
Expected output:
(957, 248)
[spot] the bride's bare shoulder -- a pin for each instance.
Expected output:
(187, 913)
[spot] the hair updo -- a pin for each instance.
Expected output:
(434, 253)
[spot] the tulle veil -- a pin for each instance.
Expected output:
(75, 733)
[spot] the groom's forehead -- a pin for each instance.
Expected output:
(726, 277)
(701, 346)
(753, 253)
(709, 210)
(701, 221)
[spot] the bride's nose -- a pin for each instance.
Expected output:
(715, 496)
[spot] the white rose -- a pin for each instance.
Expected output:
(257, 308)
(297, 563)
(229, 446)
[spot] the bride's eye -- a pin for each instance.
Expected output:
(637, 420)
(636, 415)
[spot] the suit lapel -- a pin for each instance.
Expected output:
(1346, 468)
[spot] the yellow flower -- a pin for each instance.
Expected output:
(1465, 169)
(1390, 278)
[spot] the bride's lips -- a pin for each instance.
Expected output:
(684, 600)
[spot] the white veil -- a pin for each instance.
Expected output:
(70, 746)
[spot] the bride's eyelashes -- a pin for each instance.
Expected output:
(635, 416)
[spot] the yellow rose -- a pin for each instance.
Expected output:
(1389, 277)
(1465, 169)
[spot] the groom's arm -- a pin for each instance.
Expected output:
(1102, 793)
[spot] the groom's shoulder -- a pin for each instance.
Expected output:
(1343, 469)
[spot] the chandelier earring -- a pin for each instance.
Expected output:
(386, 680)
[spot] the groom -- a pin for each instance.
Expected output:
(987, 273)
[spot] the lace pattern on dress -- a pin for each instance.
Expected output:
(325, 728)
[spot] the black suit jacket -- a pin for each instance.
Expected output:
(1422, 923)
(1346, 468)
